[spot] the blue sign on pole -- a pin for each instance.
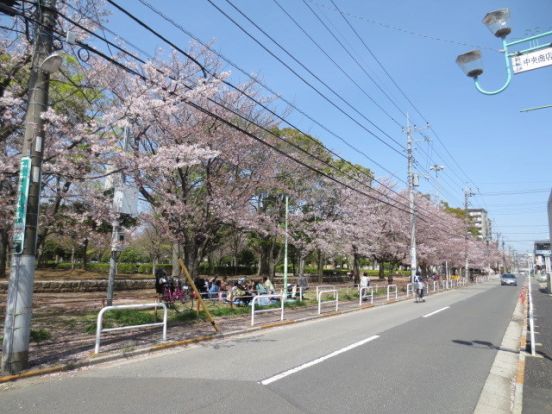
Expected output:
(21, 208)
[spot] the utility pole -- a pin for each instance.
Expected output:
(503, 255)
(17, 326)
(467, 194)
(412, 182)
(286, 248)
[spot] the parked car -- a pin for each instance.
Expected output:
(508, 279)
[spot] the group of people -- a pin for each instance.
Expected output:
(240, 291)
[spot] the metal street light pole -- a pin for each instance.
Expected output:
(411, 184)
(519, 61)
(17, 327)
(467, 194)
(286, 248)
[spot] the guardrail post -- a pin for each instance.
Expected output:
(396, 292)
(361, 294)
(99, 320)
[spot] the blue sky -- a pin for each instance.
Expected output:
(496, 148)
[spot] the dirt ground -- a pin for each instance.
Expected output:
(67, 319)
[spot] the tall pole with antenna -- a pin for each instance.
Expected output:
(411, 184)
(467, 194)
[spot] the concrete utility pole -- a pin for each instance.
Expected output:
(17, 327)
(467, 194)
(412, 182)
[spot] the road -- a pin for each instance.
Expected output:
(431, 357)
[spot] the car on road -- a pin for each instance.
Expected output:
(508, 279)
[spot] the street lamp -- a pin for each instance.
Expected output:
(517, 61)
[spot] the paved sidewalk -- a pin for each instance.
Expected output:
(537, 390)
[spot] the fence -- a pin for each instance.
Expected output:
(389, 287)
(328, 291)
(323, 287)
(409, 290)
(361, 291)
(258, 297)
(99, 328)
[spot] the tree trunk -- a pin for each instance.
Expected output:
(154, 265)
(85, 254)
(174, 260)
(3, 252)
(356, 266)
(73, 258)
(266, 260)
(381, 270)
(301, 265)
(320, 265)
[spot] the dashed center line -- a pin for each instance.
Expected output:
(434, 312)
(317, 361)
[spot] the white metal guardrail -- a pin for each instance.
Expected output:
(323, 287)
(328, 291)
(389, 287)
(99, 328)
(361, 296)
(258, 297)
(531, 322)
(409, 289)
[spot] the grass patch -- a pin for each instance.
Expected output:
(123, 317)
(40, 335)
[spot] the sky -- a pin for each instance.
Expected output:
(483, 142)
(496, 149)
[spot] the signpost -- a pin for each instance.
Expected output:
(21, 208)
(532, 60)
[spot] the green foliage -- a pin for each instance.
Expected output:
(133, 255)
(40, 335)
(123, 317)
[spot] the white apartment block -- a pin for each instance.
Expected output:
(482, 222)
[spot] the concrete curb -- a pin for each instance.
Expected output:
(502, 390)
(96, 360)
(520, 375)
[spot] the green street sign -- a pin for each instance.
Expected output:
(21, 208)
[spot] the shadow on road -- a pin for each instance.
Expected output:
(483, 345)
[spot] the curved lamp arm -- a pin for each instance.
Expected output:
(508, 73)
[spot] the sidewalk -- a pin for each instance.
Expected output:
(537, 389)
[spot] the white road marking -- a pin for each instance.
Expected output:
(317, 361)
(434, 312)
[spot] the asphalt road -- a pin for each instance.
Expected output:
(390, 359)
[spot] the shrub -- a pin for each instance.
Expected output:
(40, 335)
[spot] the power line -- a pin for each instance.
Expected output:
(300, 27)
(210, 113)
(143, 24)
(132, 71)
(270, 90)
(353, 58)
(400, 90)
(312, 74)
(407, 31)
